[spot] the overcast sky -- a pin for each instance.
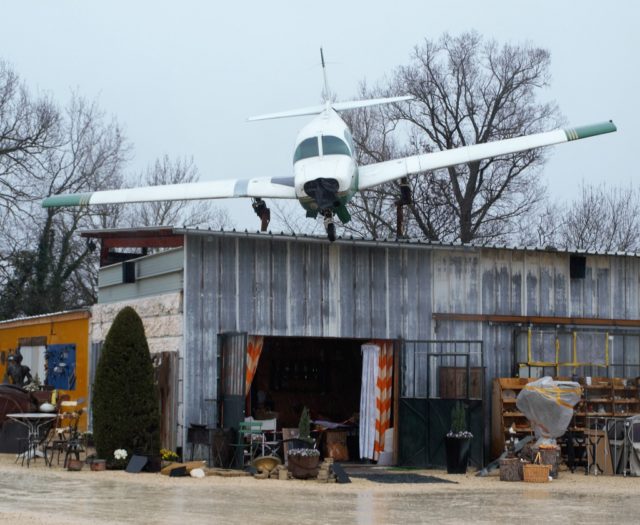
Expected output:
(181, 77)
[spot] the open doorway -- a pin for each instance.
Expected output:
(322, 374)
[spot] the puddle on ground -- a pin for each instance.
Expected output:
(92, 500)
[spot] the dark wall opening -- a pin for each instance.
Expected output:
(320, 373)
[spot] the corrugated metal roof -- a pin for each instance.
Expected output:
(86, 311)
(420, 243)
(395, 241)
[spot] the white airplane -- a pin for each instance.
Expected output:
(325, 173)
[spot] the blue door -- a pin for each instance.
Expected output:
(61, 366)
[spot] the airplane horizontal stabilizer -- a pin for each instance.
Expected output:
(381, 172)
(274, 188)
(338, 106)
(355, 104)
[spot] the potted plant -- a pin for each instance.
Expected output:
(458, 441)
(304, 459)
(168, 456)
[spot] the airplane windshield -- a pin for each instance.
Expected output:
(306, 149)
(334, 146)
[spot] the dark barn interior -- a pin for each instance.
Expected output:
(319, 373)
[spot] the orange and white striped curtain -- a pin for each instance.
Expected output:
(375, 397)
(254, 349)
(384, 389)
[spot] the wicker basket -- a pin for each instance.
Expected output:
(536, 473)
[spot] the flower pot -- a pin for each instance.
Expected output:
(303, 467)
(457, 450)
(98, 465)
(74, 464)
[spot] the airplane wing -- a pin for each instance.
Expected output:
(381, 172)
(267, 187)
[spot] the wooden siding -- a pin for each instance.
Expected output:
(155, 274)
(284, 286)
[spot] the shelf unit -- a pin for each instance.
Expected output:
(603, 398)
(606, 398)
(505, 413)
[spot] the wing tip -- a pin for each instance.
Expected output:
(72, 199)
(590, 130)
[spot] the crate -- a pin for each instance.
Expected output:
(533, 473)
(336, 436)
(336, 445)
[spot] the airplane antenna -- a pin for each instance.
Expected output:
(326, 94)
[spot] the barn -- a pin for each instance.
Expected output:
(241, 322)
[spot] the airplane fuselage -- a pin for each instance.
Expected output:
(325, 169)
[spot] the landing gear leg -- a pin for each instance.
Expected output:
(260, 207)
(329, 226)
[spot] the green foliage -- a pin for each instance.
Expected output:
(458, 418)
(304, 426)
(125, 399)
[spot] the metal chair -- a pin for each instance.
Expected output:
(250, 440)
(65, 436)
(271, 443)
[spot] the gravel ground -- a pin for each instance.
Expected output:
(52, 496)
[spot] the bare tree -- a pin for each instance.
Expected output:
(28, 127)
(599, 218)
(47, 270)
(467, 91)
(542, 228)
(603, 218)
(287, 217)
(187, 213)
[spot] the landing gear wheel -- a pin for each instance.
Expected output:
(331, 232)
(329, 226)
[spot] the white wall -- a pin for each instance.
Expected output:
(162, 316)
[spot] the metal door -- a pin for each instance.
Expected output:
(231, 381)
(434, 375)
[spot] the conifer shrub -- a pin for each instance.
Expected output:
(125, 402)
(304, 426)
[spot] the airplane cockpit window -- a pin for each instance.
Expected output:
(334, 146)
(306, 149)
(349, 139)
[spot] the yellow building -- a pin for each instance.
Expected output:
(55, 347)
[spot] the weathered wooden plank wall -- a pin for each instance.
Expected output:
(297, 287)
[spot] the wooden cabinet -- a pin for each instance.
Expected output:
(505, 413)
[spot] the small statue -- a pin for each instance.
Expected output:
(18, 373)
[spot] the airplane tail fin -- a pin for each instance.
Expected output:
(338, 106)
(326, 93)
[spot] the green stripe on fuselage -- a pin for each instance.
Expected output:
(591, 130)
(76, 199)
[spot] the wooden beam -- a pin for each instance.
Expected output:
(143, 242)
(537, 320)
